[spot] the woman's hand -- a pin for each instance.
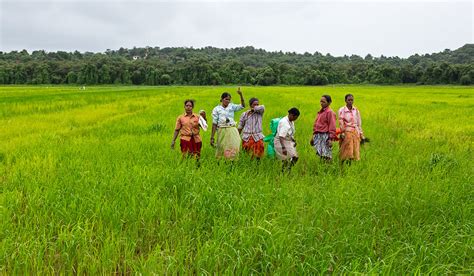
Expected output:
(212, 141)
(311, 142)
(172, 145)
(203, 114)
(329, 143)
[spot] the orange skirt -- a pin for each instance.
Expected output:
(349, 147)
(255, 148)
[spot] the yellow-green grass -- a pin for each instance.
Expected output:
(89, 184)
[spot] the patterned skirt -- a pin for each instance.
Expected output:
(255, 148)
(321, 145)
(349, 147)
(228, 143)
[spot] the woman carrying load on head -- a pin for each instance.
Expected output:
(187, 126)
(324, 129)
(285, 143)
(250, 127)
(350, 124)
(228, 139)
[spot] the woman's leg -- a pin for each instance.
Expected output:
(346, 149)
(185, 146)
(356, 146)
(258, 149)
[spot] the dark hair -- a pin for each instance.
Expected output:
(252, 100)
(189, 101)
(328, 98)
(225, 95)
(347, 96)
(294, 111)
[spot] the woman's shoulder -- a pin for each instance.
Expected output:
(236, 107)
(284, 121)
(341, 109)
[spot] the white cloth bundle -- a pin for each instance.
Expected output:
(202, 121)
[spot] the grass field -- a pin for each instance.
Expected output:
(89, 184)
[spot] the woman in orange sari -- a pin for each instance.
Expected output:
(351, 131)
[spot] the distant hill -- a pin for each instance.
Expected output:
(463, 55)
(241, 65)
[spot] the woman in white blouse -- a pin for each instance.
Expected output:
(285, 143)
(228, 138)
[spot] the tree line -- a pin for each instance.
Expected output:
(243, 65)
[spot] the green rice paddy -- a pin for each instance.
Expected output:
(89, 184)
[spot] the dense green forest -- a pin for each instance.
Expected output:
(244, 65)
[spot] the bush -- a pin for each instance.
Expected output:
(466, 80)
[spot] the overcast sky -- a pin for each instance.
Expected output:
(399, 28)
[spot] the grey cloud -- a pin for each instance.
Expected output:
(394, 28)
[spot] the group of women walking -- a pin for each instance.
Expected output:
(248, 132)
(349, 133)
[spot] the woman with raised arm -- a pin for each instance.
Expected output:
(250, 127)
(228, 139)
